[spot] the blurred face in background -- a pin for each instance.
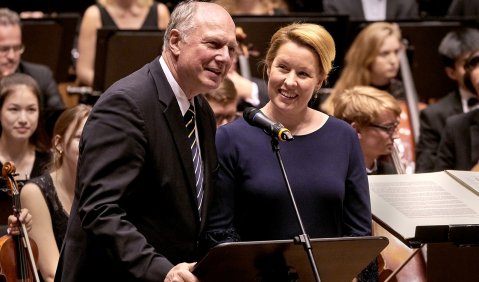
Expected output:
(377, 139)
(69, 145)
(224, 113)
(386, 64)
(475, 73)
(11, 48)
(20, 113)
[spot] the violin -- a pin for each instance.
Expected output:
(18, 253)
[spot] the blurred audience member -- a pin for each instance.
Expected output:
(433, 8)
(464, 9)
(224, 101)
(121, 14)
(372, 60)
(254, 7)
(49, 197)
(459, 147)
(454, 49)
(11, 50)
(373, 10)
(374, 114)
(252, 91)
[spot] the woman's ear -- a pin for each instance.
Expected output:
(357, 127)
(57, 143)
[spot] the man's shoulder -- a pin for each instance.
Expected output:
(450, 102)
(33, 69)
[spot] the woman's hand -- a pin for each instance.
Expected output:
(14, 225)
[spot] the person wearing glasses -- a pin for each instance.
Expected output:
(223, 101)
(459, 147)
(11, 50)
(374, 114)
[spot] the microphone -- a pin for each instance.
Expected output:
(256, 118)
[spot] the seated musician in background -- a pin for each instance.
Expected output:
(23, 140)
(459, 147)
(11, 49)
(256, 7)
(138, 14)
(454, 49)
(374, 114)
(373, 59)
(373, 10)
(252, 91)
(223, 101)
(49, 197)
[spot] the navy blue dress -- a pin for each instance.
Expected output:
(326, 172)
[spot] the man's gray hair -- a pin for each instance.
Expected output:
(183, 19)
(9, 17)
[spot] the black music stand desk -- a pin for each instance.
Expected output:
(337, 259)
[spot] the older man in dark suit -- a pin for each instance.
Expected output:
(11, 49)
(142, 196)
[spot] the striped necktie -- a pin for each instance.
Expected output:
(189, 119)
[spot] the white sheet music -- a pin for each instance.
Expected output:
(403, 202)
(470, 179)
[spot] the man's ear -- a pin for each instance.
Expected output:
(174, 40)
(451, 73)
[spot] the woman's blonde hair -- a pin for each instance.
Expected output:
(364, 104)
(313, 36)
(360, 57)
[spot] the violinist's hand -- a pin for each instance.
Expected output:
(13, 224)
(181, 273)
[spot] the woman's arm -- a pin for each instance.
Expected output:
(42, 231)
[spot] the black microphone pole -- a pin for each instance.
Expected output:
(303, 238)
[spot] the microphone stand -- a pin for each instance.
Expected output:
(303, 238)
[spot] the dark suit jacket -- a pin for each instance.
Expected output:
(135, 214)
(464, 8)
(459, 148)
(432, 121)
(395, 9)
(51, 99)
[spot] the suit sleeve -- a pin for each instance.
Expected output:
(446, 155)
(428, 142)
(112, 156)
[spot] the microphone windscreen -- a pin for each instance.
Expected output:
(249, 113)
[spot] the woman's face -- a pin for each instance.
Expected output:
(19, 114)
(386, 64)
(294, 75)
(70, 150)
(375, 139)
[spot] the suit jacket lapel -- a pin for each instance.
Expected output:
(173, 116)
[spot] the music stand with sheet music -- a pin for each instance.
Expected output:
(120, 52)
(338, 259)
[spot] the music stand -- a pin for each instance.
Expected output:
(338, 259)
(50, 40)
(120, 52)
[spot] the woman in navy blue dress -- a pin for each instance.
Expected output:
(324, 162)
